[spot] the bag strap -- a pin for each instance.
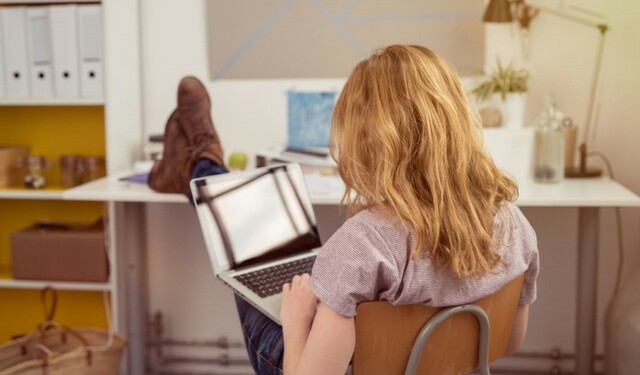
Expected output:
(44, 352)
(49, 323)
(49, 313)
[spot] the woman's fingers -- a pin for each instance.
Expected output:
(296, 281)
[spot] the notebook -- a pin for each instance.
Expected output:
(259, 230)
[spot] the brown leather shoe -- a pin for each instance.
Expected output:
(172, 173)
(194, 117)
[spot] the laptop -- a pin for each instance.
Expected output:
(259, 230)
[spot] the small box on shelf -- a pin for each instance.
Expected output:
(9, 156)
(60, 252)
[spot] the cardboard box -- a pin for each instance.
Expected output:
(9, 173)
(60, 252)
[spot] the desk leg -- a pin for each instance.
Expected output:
(131, 282)
(588, 229)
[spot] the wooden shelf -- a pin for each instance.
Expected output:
(59, 285)
(50, 101)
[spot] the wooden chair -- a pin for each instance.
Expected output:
(416, 339)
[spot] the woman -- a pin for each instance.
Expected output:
(432, 222)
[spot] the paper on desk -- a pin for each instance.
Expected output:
(319, 184)
(138, 178)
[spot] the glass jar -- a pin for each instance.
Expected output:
(35, 169)
(549, 146)
(70, 170)
(93, 168)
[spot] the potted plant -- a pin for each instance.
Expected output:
(505, 89)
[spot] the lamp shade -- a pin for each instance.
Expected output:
(498, 11)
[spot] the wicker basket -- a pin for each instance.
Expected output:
(63, 351)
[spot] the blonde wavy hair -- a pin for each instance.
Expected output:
(405, 139)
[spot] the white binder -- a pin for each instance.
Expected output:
(14, 30)
(39, 52)
(64, 49)
(2, 85)
(90, 50)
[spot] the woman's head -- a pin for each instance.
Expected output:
(405, 139)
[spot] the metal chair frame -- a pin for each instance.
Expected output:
(441, 316)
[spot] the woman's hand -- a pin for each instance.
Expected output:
(299, 304)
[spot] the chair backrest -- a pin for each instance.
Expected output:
(385, 335)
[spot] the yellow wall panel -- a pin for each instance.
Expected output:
(50, 131)
(19, 214)
(22, 310)
(54, 131)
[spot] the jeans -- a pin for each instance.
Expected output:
(263, 338)
(203, 168)
(206, 167)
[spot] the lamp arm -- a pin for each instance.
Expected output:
(583, 171)
(572, 17)
(594, 84)
(603, 28)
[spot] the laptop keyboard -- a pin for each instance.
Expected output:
(268, 281)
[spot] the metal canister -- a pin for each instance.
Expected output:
(93, 168)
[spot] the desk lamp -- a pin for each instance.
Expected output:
(500, 11)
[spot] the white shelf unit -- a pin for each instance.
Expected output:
(59, 285)
(28, 102)
(39, 2)
(47, 194)
(31, 194)
(123, 138)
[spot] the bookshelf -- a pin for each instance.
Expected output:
(108, 127)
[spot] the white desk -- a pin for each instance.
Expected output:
(588, 195)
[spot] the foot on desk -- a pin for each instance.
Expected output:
(194, 116)
(189, 139)
(171, 173)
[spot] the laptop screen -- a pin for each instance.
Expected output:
(256, 216)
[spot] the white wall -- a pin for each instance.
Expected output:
(173, 46)
(562, 62)
(181, 284)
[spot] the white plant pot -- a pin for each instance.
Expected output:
(511, 109)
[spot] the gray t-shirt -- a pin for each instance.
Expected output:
(369, 259)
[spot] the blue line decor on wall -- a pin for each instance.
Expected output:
(326, 38)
